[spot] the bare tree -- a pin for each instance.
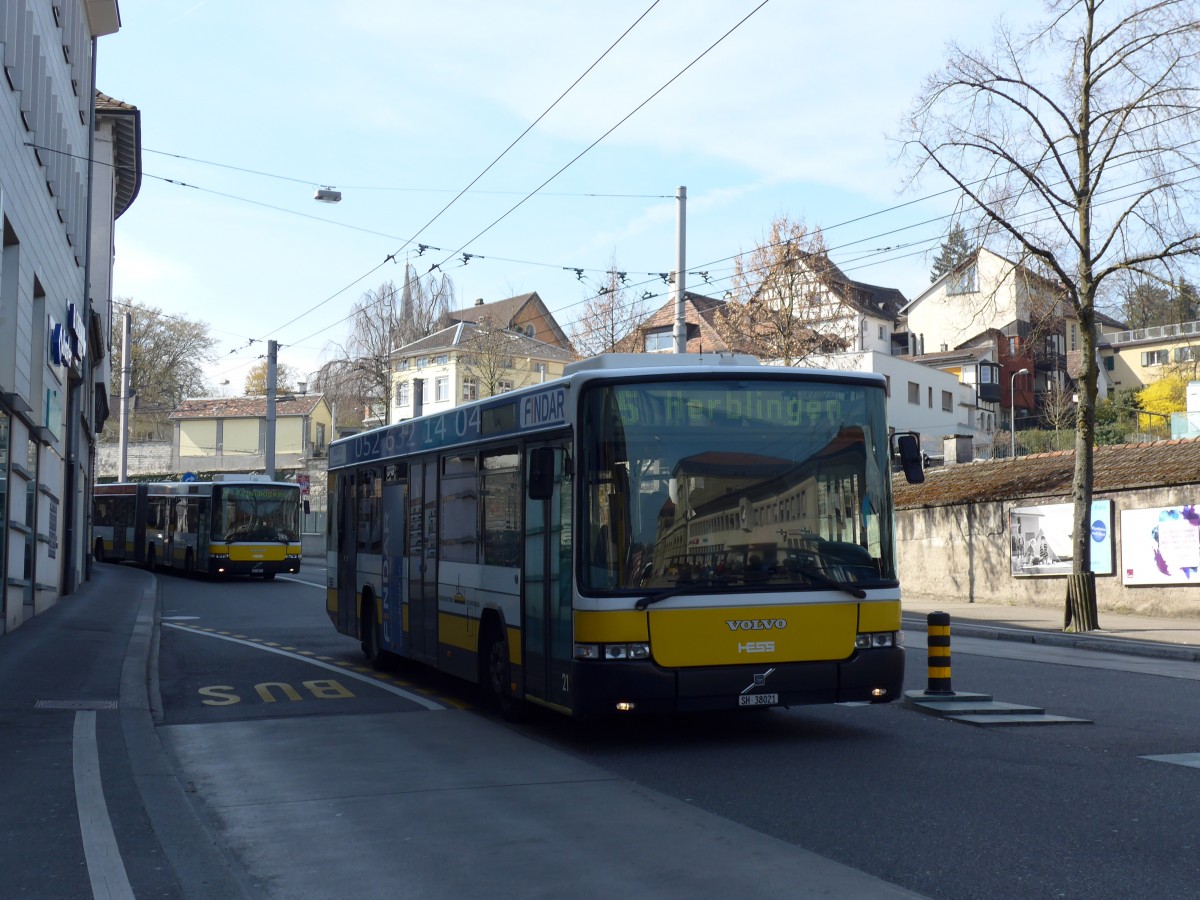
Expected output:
(785, 303)
(382, 320)
(1075, 145)
(166, 367)
(490, 357)
(608, 317)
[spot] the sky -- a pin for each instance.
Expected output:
(761, 110)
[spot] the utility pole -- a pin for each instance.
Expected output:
(126, 368)
(269, 440)
(680, 329)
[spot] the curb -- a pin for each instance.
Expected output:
(1097, 642)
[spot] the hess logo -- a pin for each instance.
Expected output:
(756, 624)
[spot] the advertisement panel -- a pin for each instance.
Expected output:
(1040, 539)
(1161, 545)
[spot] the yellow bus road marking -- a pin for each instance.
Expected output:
(338, 667)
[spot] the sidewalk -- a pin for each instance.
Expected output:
(1167, 638)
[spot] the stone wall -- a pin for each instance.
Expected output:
(961, 552)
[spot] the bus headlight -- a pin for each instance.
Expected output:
(639, 650)
(876, 639)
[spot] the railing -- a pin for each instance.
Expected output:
(1154, 332)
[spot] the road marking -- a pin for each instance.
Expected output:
(105, 867)
(407, 695)
(1179, 759)
(316, 584)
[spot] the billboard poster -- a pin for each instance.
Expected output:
(1040, 539)
(1161, 545)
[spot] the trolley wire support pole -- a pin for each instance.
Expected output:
(938, 636)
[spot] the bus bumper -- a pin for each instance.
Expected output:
(606, 687)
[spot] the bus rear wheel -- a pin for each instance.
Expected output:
(189, 564)
(151, 559)
(98, 550)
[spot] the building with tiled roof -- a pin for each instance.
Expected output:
(525, 313)
(657, 333)
(228, 434)
(468, 361)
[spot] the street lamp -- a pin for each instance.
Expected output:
(1012, 400)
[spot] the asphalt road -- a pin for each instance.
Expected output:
(286, 768)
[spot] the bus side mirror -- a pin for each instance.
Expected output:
(907, 445)
(541, 473)
(307, 508)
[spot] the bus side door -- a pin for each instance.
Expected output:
(547, 627)
(422, 560)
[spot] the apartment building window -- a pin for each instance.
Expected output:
(1187, 354)
(1155, 357)
(503, 386)
(1073, 337)
(661, 341)
(404, 394)
(883, 332)
(422, 362)
(442, 359)
(947, 401)
(402, 365)
(1110, 363)
(931, 398)
(914, 393)
(966, 282)
(470, 389)
(441, 388)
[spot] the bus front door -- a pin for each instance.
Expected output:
(547, 629)
(347, 554)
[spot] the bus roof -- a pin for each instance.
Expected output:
(543, 407)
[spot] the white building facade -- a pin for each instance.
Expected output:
(59, 195)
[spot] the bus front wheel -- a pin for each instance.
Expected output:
(495, 676)
(151, 559)
(98, 550)
(369, 631)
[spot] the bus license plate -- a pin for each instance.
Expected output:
(758, 699)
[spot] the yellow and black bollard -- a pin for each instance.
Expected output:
(938, 631)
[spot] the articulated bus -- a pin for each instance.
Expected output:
(647, 533)
(233, 525)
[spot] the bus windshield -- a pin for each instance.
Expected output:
(716, 485)
(257, 512)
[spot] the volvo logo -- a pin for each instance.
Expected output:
(756, 624)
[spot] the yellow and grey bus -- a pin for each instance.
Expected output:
(647, 533)
(233, 525)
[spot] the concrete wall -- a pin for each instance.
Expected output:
(961, 553)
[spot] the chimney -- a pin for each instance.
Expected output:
(958, 448)
(479, 301)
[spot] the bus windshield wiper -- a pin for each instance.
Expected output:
(818, 577)
(689, 587)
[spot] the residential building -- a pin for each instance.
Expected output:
(921, 398)
(69, 166)
(467, 361)
(988, 298)
(229, 434)
(1137, 358)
